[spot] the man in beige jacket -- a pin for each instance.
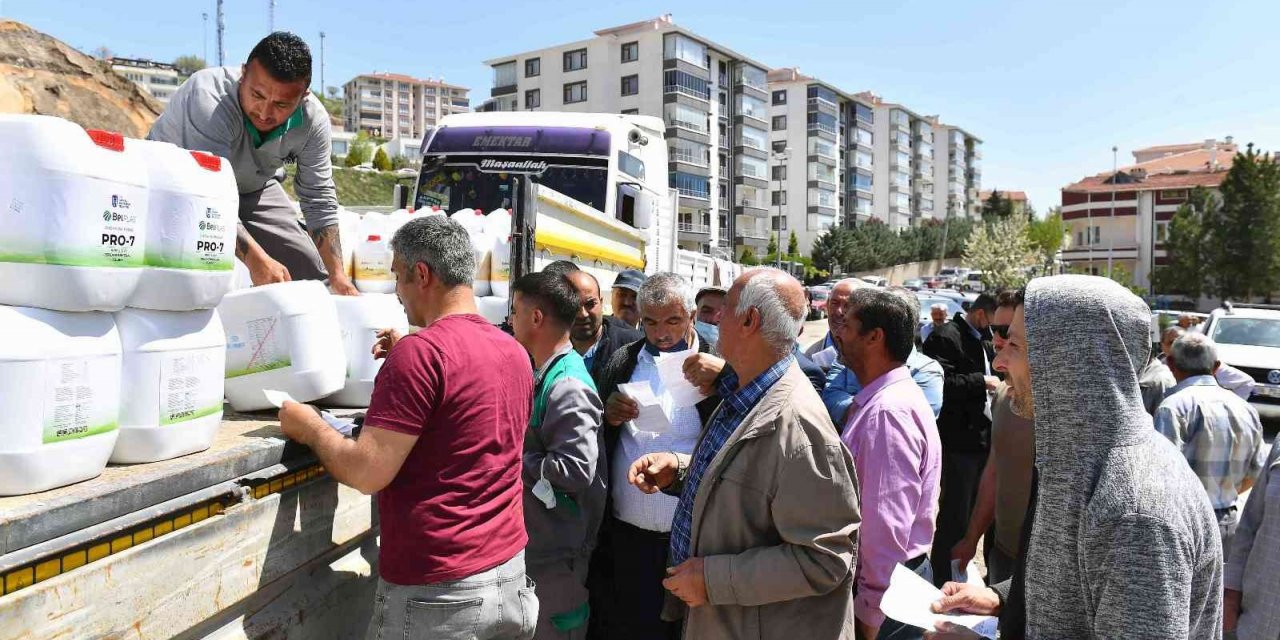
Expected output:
(763, 540)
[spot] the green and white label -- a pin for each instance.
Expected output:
(72, 221)
(188, 388)
(75, 403)
(255, 346)
(186, 232)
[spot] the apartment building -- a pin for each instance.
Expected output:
(957, 172)
(158, 79)
(822, 141)
(1121, 218)
(392, 105)
(714, 100)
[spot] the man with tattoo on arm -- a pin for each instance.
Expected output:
(260, 116)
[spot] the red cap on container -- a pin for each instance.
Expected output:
(106, 139)
(207, 160)
(374, 239)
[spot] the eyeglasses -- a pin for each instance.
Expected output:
(1001, 330)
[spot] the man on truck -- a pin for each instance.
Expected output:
(260, 116)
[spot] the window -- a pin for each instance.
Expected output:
(532, 67)
(780, 146)
(754, 138)
(780, 97)
(1162, 231)
(779, 223)
(862, 206)
(690, 152)
(630, 85)
(752, 167)
(684, 116)
(630, 112)
(1173, 194)
(822, 172)
(575, 92)
(677, 46)
(575, 60)
(631, 52)
(504, 75)
(823, 93)
(630, 165)
(779, 123)
(780, 172)
(820, 147)
(749, 196)
(864, 113)
(752, 77)
(752, 107)
(677, 81)
(779, 198)
(533, 98)
(690, 185)
(862, 182)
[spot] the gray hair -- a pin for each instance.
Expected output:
(912, 301)
(938, 306)
(779, 325)
(1177, 332)
(441, 244)
(661, 289)
(1195, 354)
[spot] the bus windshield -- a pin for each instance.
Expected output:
(459, 184)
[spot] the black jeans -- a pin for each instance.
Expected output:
(625, 585)
(961, 473)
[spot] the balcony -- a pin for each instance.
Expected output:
(503, 90)
(826, 128)
(696, 194)
(694, 228)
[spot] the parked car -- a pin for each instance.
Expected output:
(876, 281)
(973, 282)
(1248, 338)
(928, 299)
(818, 302)
(914, 284)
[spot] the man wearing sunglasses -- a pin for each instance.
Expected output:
(962, 346)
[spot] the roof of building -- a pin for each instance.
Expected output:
(400, 77)
(659, 23)
(1016, 196)
(1197, 167)
(793, 74)
(142, 64)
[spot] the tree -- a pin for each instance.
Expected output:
(1003, 251)
(1244, 233)
(189, 64)
(360, 151)
(833, 249)
(793, 246)
(772, 249)
(1185, 270)
(102, 53)
(748, 257)
(381, 161)
(1047, 236)
(332, 92)
(997, 206)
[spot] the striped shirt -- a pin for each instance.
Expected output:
(1218, 433)
(736, 405)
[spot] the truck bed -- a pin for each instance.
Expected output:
(249, 539)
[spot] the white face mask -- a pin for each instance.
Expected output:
(542, 490)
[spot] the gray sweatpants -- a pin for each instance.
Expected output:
(272, 222)
(498, 604)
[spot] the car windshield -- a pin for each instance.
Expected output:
(462, 186)
(1257, 332)
(818, 295)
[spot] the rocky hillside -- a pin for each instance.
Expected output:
(43, 75)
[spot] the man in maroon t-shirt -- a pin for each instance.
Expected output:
(441, 446)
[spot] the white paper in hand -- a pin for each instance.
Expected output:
(341, 425)
(908, 600)
(671, 370)
(277, 398)
(826, 358)
(652, 418)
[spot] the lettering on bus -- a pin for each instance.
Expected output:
(513, 166)
(504, 142)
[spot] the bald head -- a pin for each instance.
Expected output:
(838, 301)
(763, 314)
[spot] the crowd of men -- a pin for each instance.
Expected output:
(558, 482)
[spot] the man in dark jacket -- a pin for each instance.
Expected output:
(962, 347)
(595, 337)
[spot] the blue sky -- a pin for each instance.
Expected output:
(1049, 86)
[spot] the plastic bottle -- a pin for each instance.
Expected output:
(281, 337)
(192, 212)
(175, 362)
(73, 221)
(361, 317)
(349, 236)
(498, 228)
(60, 393)
(473, 220)
(373, 256)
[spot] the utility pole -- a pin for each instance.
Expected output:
(221, 26)
(204, 17)
(271, 16)
(323, 89)
(782, 159)
(1110, 252)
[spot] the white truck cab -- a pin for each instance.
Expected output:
(1248, 338)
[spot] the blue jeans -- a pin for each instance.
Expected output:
(498, 604)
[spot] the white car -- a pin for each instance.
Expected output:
(1248, 338)
(875, 281)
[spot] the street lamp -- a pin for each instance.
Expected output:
(781, 157)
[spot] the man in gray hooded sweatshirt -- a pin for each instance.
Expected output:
(1121, 544)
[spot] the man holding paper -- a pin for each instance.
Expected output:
(650, 408)
(763, 540)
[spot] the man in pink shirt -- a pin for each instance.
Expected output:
(896, 452)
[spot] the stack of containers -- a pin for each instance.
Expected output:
(96, 223)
